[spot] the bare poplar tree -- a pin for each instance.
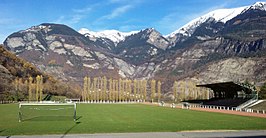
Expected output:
(130, 90)
(153, 87)
(110, 90)
(41, 87)
(37, 87)
(85, 88)
(120, 90)
(117, 90)
(159, 90)
(100, 88)
(144, 90)
(95, 91)
(88, 89)
(104, 88)
(135, 90)
(175, 91)
(30, 88)
(114, 90)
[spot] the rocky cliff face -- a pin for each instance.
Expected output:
(233, 69)
(141, 47)
(69, 55)
(211, 49)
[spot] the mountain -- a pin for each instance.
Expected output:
(58, 50)
(113, 35)
(141, 47)
(131, 46)
(220, 16)
(68, 55)
(223, 45)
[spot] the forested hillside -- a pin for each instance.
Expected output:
(14, 77)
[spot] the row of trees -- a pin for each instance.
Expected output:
(187, 90)
(103, 89)
(34, 87)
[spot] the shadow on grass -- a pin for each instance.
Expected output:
(52, 118)
(2, 131)
(70, 129)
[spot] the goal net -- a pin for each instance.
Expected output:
(47, 111)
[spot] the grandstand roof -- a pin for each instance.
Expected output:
(226, 87)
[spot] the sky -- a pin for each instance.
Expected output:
(165, 16)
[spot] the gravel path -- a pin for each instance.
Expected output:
(195, 134)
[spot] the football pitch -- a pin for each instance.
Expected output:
(121, 118)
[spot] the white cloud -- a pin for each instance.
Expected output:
(121, 1)
(84, 10)
(77, 15)
(7, 21)
(76, 18)
(69, 20)
(60, 19)
(126, 28)
(117, 12)
(88, 9)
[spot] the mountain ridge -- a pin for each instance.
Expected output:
(70, 56)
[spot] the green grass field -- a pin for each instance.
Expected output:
(111, 118)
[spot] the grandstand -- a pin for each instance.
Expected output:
(230, 94)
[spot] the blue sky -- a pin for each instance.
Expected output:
(165, 16)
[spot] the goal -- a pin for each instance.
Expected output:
(47, 111)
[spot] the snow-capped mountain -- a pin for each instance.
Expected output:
(220, 15)
(114, 35)
(227, 44)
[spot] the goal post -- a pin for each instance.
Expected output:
(28, 111)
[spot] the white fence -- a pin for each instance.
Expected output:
(249, 110)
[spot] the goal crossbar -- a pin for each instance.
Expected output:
(47, 104)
